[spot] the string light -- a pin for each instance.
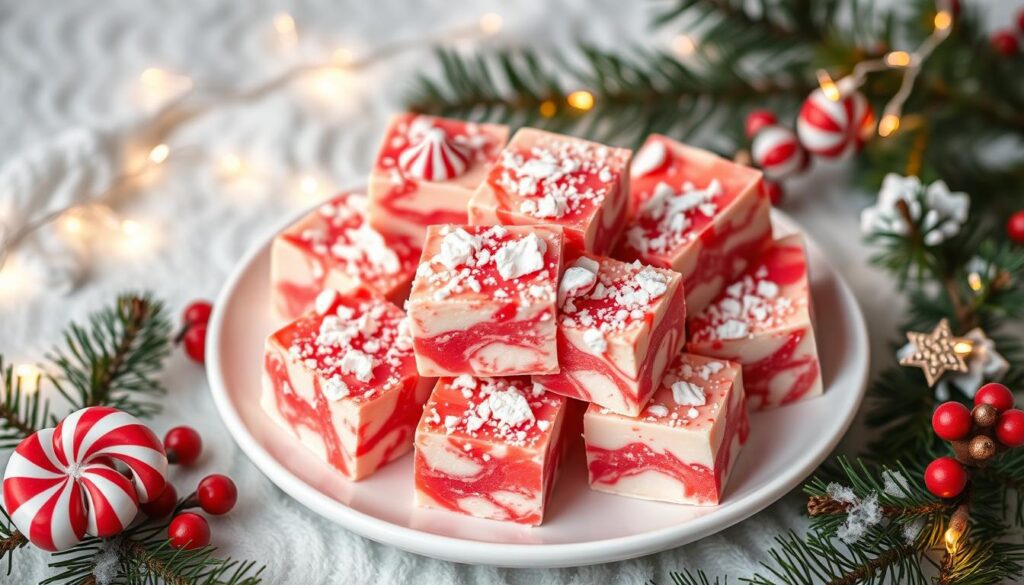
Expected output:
(284, 26)
(28, 377)
(491, 23)
(943, 20)
(548, 108)
(828, 86)
(343, 57)
(684, 45)
(897, 59)
(159, 153)
(974, 281)
(230, 165)
(131, 228)
(888, 124)
(581, 99)
(963, 347)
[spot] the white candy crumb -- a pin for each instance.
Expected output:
(325, 300)
(688, 394)
(335, 389)
(520, 257)
(595, 341)
(658, 409)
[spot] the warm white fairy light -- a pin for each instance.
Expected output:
(287, 33)
(491, 23)
(159, 153)
(684, 45)
(28, 377)
(230, 166)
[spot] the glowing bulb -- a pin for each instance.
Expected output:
(153, 77)
(952, 538)
(963, 347)
(343, 57)
(159, 153)
(310, 188)
(897, 59)
(974, 281)
(284, 25)
(684, 45)
(230, 165)
(828, 87)
(15, 279)
(548, 108)
(131, 228)
(889, 124)
(328, 84)
(943, 20)
(28, 377)
(491, 23)
(72, 225)
(581, 99)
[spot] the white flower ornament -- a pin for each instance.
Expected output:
(937, 212)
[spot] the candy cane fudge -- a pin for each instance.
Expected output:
(619, 325)
(696, 213)
(342, 379)
(335, 248)
(489, 447)
(682, 446)
(763, 321)
(545, 178)
(483, 301)
(426, 170)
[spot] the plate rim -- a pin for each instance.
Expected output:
(518, 554)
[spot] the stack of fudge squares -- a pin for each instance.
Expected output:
(490, 300)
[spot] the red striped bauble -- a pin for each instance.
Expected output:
(63, 483)
(778, 152)
(434, 157)
(827, 128)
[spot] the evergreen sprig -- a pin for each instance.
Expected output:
(21, 412)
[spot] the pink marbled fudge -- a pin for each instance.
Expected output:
(682, 446)
(546, 178)
(342, 379)
(483, 301)
(489, 447)
(426, 170)
(334, 247)
(619, 325)
(763, 321)
(696, 213)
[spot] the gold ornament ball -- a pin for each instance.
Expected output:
(982, 447)
(985, 415)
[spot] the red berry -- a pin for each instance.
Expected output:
(183, 445)
(996, 394)
(197, 312)
(189, 531)
(951, 421)
(164, 503)
(758, 119)
(1020, 21)
(773, 191)
(195, 342)
(1005, 43)
(1015, 227)
(1010, 428)
(217, 494)
(945, 477)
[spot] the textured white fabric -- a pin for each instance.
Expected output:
(72, 63)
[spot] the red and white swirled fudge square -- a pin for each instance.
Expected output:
(335, 248)
(764, 322)
(682, 446)
(426, 170)
(619, 326)
(696, 213)
(546, 178)
(489, 447)
(343, 380)
(483, 301)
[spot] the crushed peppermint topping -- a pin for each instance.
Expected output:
(621, 295)
(753, 303)
(511, 410)
(691, 394)
(658, 409)
(520, 257)
(325, 300)
(688, 394)
(664, 220)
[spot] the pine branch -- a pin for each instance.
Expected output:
(10, 539)
(21, 412)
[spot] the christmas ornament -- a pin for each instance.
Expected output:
(995, 395)
(1005, 43)
(217, 494)
(983, 363)
(434, 157)
(827, 128)
(945, 477)
(937, 352)
(1015, 227)
(951, 421)
(1010, 428)
(904, 206)
(777, 151)
(757, 120)
(189, 531)
(62, 483)
(183, 445)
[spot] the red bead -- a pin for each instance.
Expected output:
(773, 191)
(1015, 227)
(951, 421)
(996, 394)
(195, 342)
(197, 312)
(183, 445)
(758, 119)
(1010, 428)
(164, 503)
(189, 531)
(1005, 43)
(945, 477)
(217, 494)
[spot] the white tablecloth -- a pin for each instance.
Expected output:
(65, 64)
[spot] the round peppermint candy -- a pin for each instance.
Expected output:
(778, 152)
(827, 128)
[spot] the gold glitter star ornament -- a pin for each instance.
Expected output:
(937, 352)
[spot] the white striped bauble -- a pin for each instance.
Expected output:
(777, 152)
(63, 483)
(827, 128)
(434, 157)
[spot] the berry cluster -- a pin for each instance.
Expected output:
(216, 494)
(192, 336)
(1005, 42)
(976, 436)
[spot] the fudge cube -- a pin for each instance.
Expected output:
(545, 178)
(696, 213)
(335, 248)
(619, 325)
(763, 321)
(342, 379)
(682, 446)
(489, 447)
(426, 170)
(483, 301)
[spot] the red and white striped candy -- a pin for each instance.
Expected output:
(777, 151)
(827, 128)
(434, 157)
(61, 483)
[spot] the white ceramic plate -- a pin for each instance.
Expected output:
(581, 526)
